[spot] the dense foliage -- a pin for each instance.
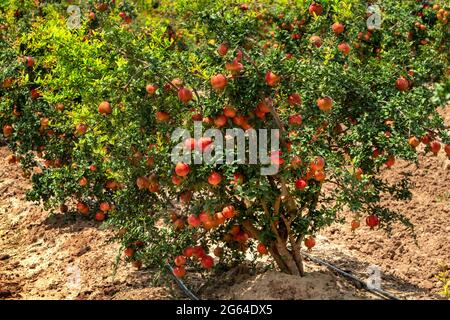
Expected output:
(89, 110)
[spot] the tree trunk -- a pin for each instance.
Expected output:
(288, 261)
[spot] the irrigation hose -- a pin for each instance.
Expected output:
(376, 291)
(181, 284)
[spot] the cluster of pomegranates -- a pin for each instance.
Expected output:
(315, 171)
(84, 209)
(196, 253)
(205, 219)
(433, 145)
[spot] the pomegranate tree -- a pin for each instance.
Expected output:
(93, 113)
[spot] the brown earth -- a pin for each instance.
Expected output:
(42, 255)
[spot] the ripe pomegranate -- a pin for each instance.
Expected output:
(153, 186)
(193, 221)
(413, 141)
(105, 206)
(276, 158)
(207, 262)
(300, 184)
(190, 143)
(151, 89)
(241, 236)
(316, 40)
(7, 130)
(142, 183)
(176, 180)
(426, 139)
(111, 185)
(372, 221)
(358, 173)
(239, 120)
(179, 224)
(344, 48)
(30, 61)
(179, 272)
(390, 161)
(447, 149)
(263, 107)
(188, 252)
(204, 217)
(294, 99)
(261, 248)
(238, 178)
(100, 216)
(337, 27)
(319, 175)
(223, 49)
(295, 120)
(214, 178)
(182, 169)
(317, 164)
(179, 261)
(355, 225)
(83, 208)
(7, 83)
(83, 182)
(435, 146)
(402, 84)
(162, 116)
(185, 95)
(59, 106)
(325, 104)
(102, 6)
(218, 82)
(234, 67)
(199, 252)
(310, 242)
(129, 252)
(92, 15)
(228, 212)
(315, 9)
(229, 111)
(35, 93)
(104, 107)
(272, 79)
(220, 120)
(376, 153)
